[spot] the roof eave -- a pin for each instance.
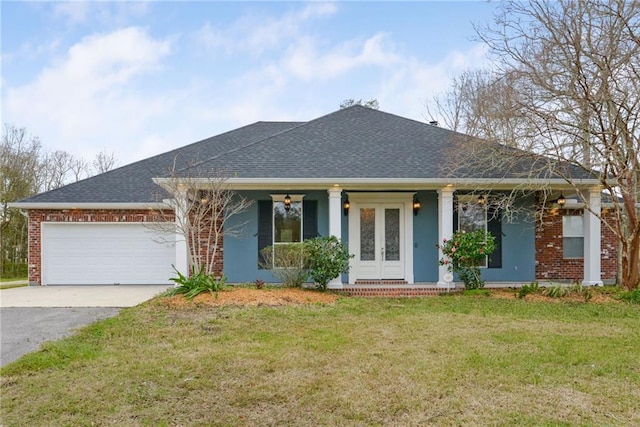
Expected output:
(86, 205)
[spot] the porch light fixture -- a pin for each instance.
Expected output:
(345, 207)
(416, 205)
(561, 200)
(482, 200)
(287, 202)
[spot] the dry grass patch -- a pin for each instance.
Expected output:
(451, 360)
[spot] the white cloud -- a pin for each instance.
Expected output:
(257, 33)
(103, 12)
(90, 94)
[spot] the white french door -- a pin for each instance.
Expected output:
(380, 232)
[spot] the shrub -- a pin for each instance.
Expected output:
(326, 258)
(259, 283)
(286, 263)
(197, 283)
(531, 288)
(557, 291)
(632, 297)
(465, 252)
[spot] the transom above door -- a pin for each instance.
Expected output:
(380, 236)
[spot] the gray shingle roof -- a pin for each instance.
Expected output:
(355, 142)
(133, 183)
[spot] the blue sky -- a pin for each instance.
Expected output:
(141, 78)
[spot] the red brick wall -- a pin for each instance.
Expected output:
(38, 216)
(550, 264)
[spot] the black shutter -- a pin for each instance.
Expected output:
(494, 226)
(455, 217)
(310, 219)
(265, 226)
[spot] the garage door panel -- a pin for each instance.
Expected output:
(85, 254)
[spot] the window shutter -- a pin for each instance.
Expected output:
(455, 217)
(494, 226)
(265, 226)
(310, 219)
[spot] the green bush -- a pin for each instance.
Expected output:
(326, 259)
(287, 263)
(465, 252)
(197, 283)
(557, 291)
(632, 297)
(531, 288)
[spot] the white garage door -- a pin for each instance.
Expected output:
(104, 254)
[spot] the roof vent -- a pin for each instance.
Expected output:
(433, 123)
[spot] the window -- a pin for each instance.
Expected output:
(287, 224)
(572, 236)
(472, 216)
(279, 227)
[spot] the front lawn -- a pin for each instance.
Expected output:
(450, 360)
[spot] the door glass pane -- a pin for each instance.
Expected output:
(392, 234)
(368, 234)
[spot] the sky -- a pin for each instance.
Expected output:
(141, 78)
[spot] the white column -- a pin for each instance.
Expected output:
(335, 225)
(592, 239)
(182, 255)
(445, 229)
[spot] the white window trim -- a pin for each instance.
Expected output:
(570, 236)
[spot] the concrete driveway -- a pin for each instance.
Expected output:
(32, 315)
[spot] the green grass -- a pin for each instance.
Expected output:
(455, 360)
(12, 279)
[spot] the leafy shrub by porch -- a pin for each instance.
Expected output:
(465, 252)
(327, 258)
(321, 258)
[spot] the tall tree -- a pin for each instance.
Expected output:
(573, 72)
(19, 162)
(104, 162)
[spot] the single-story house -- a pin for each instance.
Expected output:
(378, 181)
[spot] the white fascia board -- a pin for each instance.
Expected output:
(383, 183)
(89, 205)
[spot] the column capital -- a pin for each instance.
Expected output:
(334, 191)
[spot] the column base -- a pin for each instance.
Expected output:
(446, 285)
(592, 283)
(335, 284)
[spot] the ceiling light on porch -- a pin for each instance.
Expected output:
(561, 200)
(482, 200)
(287, 202)
(416, 205)
(345, 207)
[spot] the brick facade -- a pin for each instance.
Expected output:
(38, 216)
(550, 263)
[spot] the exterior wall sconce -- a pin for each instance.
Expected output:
(416, 205)
(345, 207)
(482, 200)
(287, 202)
(561, 200)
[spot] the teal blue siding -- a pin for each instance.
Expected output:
(241, 252)
(518, 251)
(425, 238)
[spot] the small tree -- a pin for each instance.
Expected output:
(327, 258)
(199, 212)
(465, 252)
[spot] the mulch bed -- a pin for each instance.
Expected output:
(252, 297)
